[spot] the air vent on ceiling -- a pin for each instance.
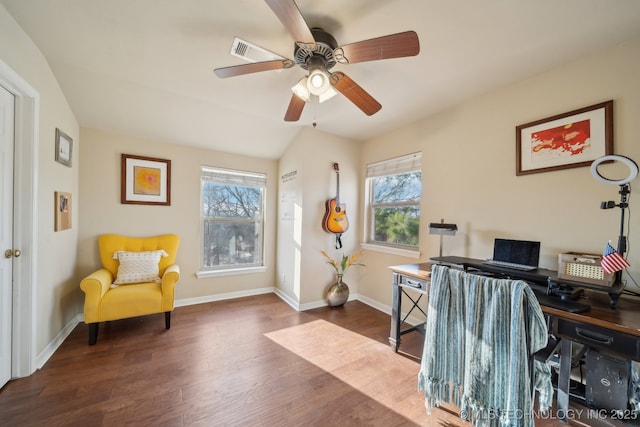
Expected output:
(250, 52)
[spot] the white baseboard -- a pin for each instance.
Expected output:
(286, 298)
(219, 297)
(375, 304)
(411, 320)
(53, 345)
(296, 305)
(309, 305)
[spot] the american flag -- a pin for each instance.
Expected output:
(612, 261)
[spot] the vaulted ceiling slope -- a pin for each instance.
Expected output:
(145, 67)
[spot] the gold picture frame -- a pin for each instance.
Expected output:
(145, 180)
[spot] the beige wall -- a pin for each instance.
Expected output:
(102, 212)
(54, 285)
(303, 275)
(469, 169)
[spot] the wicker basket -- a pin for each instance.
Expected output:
(583, 268)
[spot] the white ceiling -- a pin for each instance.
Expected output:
(144, 67)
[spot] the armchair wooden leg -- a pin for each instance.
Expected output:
(93, 333)
(167, 319)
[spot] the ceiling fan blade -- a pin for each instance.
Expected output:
(289, 14)
(295, 109)
(254, 67)
(392, 46)
(355, 93)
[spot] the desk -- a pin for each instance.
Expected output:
(415, 277)
(540, 276)
(611, 330)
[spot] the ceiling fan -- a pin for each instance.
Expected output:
(317, 52)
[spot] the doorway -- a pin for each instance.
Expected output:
(22, 312)
(7, 105)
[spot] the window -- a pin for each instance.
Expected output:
(394, 189)
(232, 219)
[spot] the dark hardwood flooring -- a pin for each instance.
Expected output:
(214, 367)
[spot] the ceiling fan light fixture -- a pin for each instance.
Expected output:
(318, 82)
(301, 90)
(327, 94)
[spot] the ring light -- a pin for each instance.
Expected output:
(633, 169)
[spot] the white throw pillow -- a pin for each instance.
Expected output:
(138, 267)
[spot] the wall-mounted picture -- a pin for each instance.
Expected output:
(64, 148)
(62, 211)
(568, 140)
(145, 180)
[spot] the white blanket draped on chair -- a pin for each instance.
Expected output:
(481, 334)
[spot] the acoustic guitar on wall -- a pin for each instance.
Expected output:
(335, 217)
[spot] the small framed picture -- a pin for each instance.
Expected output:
(63, 211)
(64, 148)
(145, 181)
(568, 140)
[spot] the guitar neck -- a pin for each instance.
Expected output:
(337, 187)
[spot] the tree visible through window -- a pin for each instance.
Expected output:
(232, 218)
(395, 189)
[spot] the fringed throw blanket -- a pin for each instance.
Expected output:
(476, 351)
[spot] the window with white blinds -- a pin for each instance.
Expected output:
(394, 189)
(398, 165)
(232, 214)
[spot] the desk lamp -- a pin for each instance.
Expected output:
(442, 229)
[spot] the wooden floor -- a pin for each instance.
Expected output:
(217, 366)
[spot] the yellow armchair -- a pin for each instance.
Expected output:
(106, 300)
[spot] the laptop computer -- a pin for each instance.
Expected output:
(515, 254)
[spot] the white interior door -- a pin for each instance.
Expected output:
(7, 102)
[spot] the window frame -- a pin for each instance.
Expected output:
(239, 178)
(394, 166)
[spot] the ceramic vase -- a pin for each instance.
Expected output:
(338, 293)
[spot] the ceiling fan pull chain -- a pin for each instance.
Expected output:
(315, 110)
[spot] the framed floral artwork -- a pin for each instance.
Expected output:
(568, 140)
(145, 180)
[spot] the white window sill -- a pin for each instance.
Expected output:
(392, 250)
(230, 272)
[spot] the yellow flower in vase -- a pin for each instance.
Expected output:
(338, 293)
(344, 264)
